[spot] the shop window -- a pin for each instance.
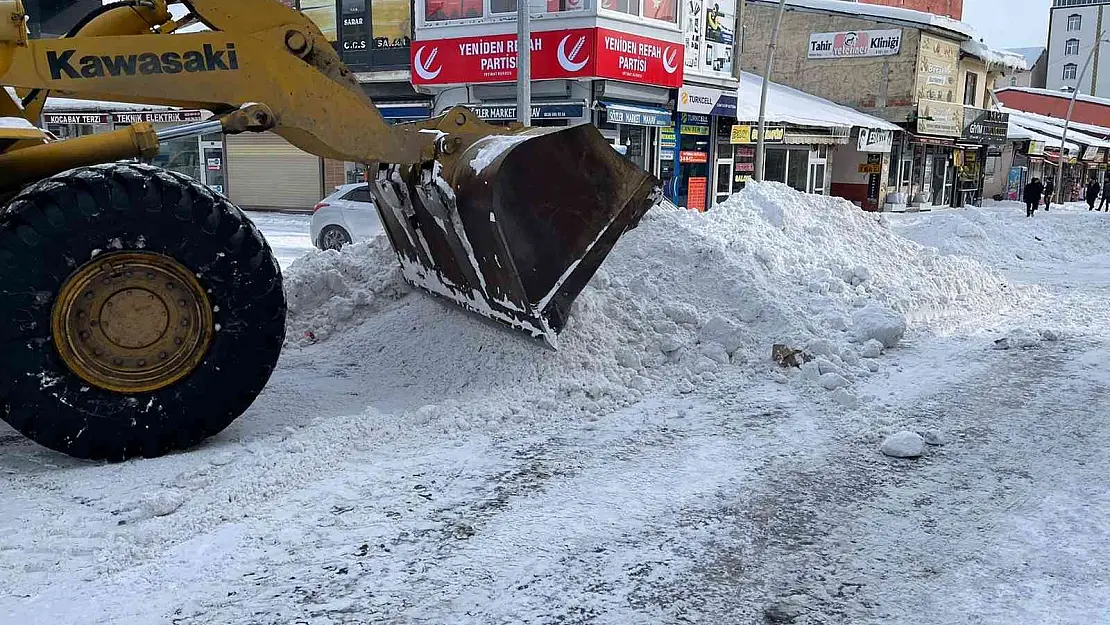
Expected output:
(1070, 71)
(537, 6)
(665, 10)
(631, 7)
(774, 167)
(1071, 47)
(797, 170)
(971, 85)
(322, 12)
(391, 22)
(442, 10)
(1075, 22)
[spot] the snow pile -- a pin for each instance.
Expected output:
(1001, 234)
(683, 300)
(325, 290)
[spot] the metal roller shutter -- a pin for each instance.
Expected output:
(267, 172)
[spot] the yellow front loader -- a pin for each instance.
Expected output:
(141, 312)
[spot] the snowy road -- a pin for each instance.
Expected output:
(287, 234)
(421, 467)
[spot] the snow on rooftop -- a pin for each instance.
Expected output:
(1031, 123)
(995, 58)
(1091, 129)
(1032, 55)
(787, 105)
(883, 12)
(1016, 132)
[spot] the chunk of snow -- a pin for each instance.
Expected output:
(871, 349)
(903, 445)
(875, 322)
(833, 381)
(16, 123)
(932, 437)
(723, 331)
(160, 504)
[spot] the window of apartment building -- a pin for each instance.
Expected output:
(665, 10)
(1071, 46)
(537, 6)
(971, 86)
(1075, 22)
(1070, 70)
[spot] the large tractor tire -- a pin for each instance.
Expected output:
(140, 313)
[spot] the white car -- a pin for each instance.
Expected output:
(345, 216)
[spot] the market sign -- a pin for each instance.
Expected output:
(984, 126)
(1091, 153)
(945, 119)
(855, 43)
(694, 99)
(558, 54)
(747, 133)
(871, 140)
(636, 116)
(545, 110)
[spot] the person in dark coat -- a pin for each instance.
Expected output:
(1093, 188)
(1032, 196)
(1049, 190)
(1105, 204)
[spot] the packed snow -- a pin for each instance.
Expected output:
(789, 105)
(709, 444)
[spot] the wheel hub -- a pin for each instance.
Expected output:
(132, 322)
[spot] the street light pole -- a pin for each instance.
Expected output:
(760, 148)
(1067, 121)
(523, 62)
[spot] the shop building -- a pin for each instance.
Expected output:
(1084, 161)
(812, 144)
(913, 69)
(616, 64)
(373, 38)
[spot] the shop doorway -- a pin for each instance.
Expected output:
(818, 166)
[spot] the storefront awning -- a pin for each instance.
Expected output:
(790, 106)
(1020, 133)
(635, 114)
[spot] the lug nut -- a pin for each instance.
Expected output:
(142, 363)
(178, 341)
(163, 355)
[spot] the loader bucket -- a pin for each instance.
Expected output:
(519, 226)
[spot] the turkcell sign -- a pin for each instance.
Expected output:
(855, 43)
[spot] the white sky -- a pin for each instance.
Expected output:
(1009, 23)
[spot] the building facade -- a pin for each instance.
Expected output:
(948, 8)
(1035, 76)
(929, 78)
(1072, 32)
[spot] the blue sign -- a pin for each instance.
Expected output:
(637, 115)
(725, 106)
(543, 110)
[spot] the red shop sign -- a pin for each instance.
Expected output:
(633, 58)
(576, 53)
(693, 157)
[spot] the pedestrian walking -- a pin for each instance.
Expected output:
(1093, 189)
(1049, 189)
(1105, 204)
(1032, 196)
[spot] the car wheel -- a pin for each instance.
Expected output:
(333, 238)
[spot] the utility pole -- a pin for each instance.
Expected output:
(523, 62)
(760, 148)
(738, 42)
(1067, 121)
